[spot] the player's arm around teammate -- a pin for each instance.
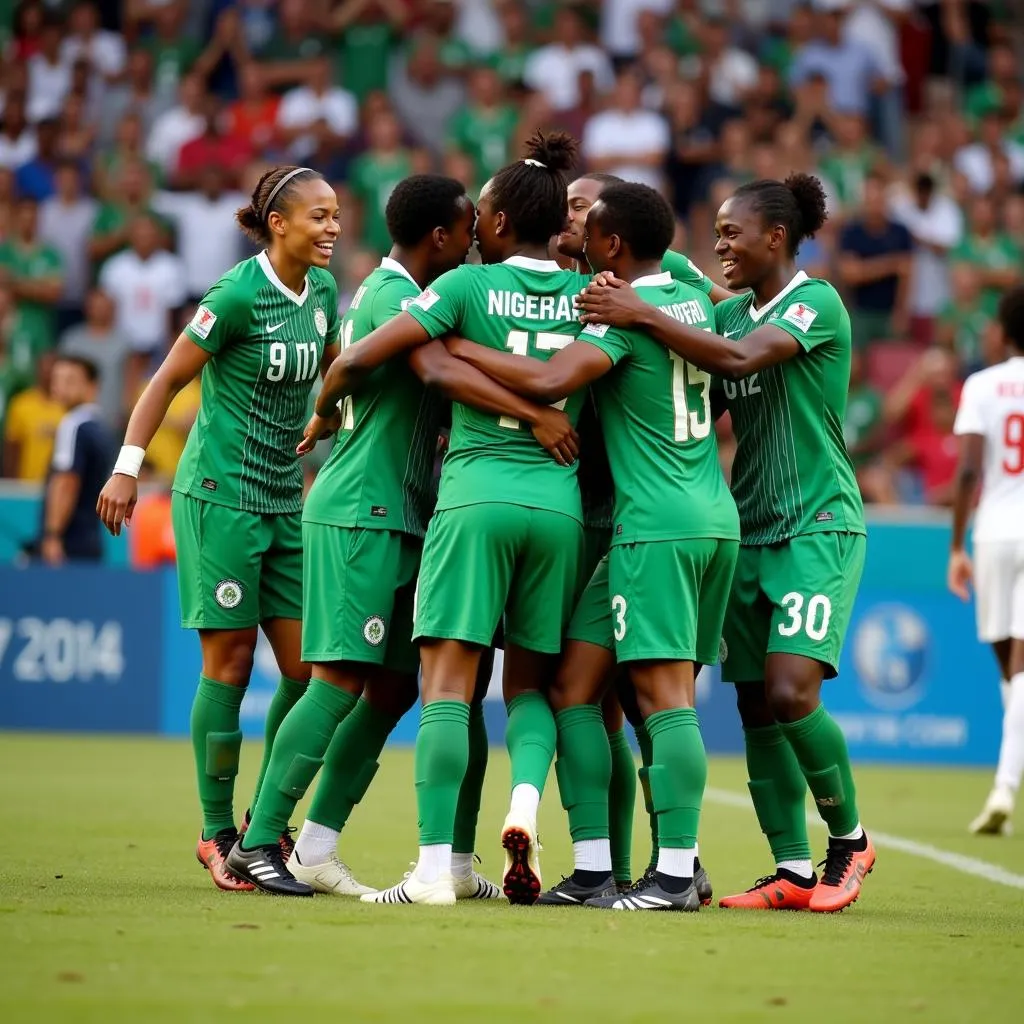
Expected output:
(783, 350)
(258, 339)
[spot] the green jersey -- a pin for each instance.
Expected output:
(523, 306)
(36, 262)
(792, 474)
(379, 473)
(997, 251)
(372, 178)
(685, 271)
(484, 135)
(655, 410)
(267, 344)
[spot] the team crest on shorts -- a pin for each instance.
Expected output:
(373, 631)
(228, 593)
(723, 650)
(320, 320)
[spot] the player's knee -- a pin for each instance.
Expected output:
(790, 699)
(752, 704)
(230, 663)
(393, 699)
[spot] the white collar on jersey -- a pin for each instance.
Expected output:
(387, 263)
(653, 280)
(268, 268)
(529, 263)
(756, 314)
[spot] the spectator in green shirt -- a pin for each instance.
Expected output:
(852, 159)
(992, 252)
(368, 31)
(32, 270)
(173, 50)
(128, 199)
(296, 41)
(962, 322)
(484, 127)
(517, 44)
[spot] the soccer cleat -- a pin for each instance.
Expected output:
(411, 890)
(701, 882)
(265, 868)
(475, 887)
(994, 819)
(522, 882)
(647, 894)
(845, 868)
(569, 893)
(773, 892)
(212, 854)
(332, 877)
(285, 841)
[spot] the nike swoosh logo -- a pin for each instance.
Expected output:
(728, 334)
(276, 327)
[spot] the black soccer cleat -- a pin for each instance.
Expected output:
(264, 867)
(648, 894)
(569, 892)
(702, 883)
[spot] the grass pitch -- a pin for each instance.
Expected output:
(107, 916)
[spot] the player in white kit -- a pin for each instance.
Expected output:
(990, 425)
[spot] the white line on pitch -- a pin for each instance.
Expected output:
(956, 861)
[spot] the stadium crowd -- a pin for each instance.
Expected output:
(131, 131)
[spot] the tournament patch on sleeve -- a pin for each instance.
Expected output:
(594, 330)
(800, 315)
(202, 323)
(426, 298)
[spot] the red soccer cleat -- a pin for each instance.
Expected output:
(773, 892)
(845, 870)
(211, 853)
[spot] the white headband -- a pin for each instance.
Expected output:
(535, 163)
(277, 188)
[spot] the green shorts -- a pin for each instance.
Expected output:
(668, 598)
(482, 560)
(795, 597)
(235, 569)
(358, 587)
(591, 621)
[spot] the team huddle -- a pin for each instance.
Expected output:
(582, 523)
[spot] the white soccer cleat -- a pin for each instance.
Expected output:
(522, 881)
(332, 877)
(994, 819)
(475, 887)
(411, 890)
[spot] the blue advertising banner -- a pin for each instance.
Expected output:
(80, 648)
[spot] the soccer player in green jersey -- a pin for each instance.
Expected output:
(363, 525)
(259, 339)
(507, 533)
(665, 582)
(783, 350)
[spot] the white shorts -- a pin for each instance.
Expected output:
(999, 589)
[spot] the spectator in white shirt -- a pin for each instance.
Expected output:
(625, 139)
(329, 108)
(49, 75)
(976, 162)
(731, 72)
(17, 139)
(147, 285)
(105, 50)
(178, 125)
(208, 240)
(555, 69)
(620, 34)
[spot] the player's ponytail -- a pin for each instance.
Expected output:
(798, 204)
(809, 195)
(273, 192)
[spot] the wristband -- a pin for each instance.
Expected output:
(129, 461)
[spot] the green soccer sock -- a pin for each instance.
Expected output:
(216, 742)
(677, 776)
(621, 805)
(442, 755)
(467, 810)
(584, 770)
(643, 739)
(530, 738)
(350, 764)
(295, 758)
(820, 748)
(287, 693)
(778, 791)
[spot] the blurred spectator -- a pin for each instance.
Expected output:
(695, 151)
(77, 129)
(253, 116)
(179, 125)
(875, 265)
(204, 219)
(102, 344)
(128, 199)
(439, 20)
(65, 223)
(151, 536)
(625, 139)
(316, 112)
(49, 74)
(358, 267)
(17, 350)
(172, 51)
(30, 425)
(129, 147)
(852, 158)
(620, 34)
(963, 322)
(863, 429)
(977, 161)
(83, 453)
(17, 139)
(516, 43)
(374, 175)
(935, 225)
(294, 43)
(554, 70)
(368, 31)
(28, 19)
(229, 153)
(483, 128)
(35, 179)
(136, 94)
(729, 72)
(994, 254)
(33, 271)
(105, 50)
(425, 94)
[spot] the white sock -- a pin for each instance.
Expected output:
(462, 865)
(316, 843)
(525, 800)
(800, 868)
(675, 862)
(855, 834)
(435, 861)
(1011, 750)
(593, 855)
(1004, 691)
(696, 850)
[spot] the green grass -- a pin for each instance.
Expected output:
(105, 914)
